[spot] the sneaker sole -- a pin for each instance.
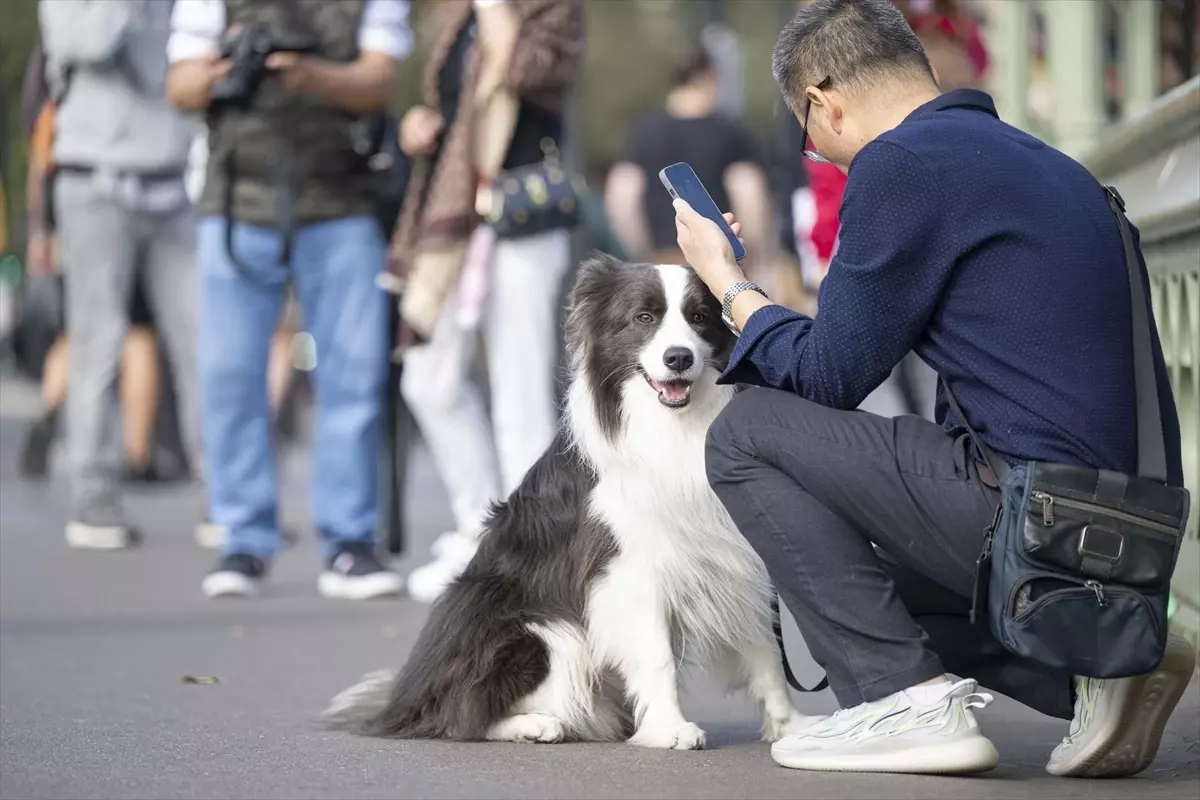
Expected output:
(957, 757)
(229, 584)
(92, 537)
(1130, 739)
(337, 586)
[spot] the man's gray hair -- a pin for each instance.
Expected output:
(851, 42)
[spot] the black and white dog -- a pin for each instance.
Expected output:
(611, 564)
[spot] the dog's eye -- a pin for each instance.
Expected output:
(645, 318)
(699, 317)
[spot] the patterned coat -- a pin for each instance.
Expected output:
(439, 207)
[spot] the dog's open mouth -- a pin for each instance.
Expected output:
(672, 394)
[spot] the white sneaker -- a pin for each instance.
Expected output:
(101, 528)
(896, 734)
(442, 542)
(1118, 724)
(454, 552)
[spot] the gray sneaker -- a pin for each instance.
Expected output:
(101, 528)
(1119, 723)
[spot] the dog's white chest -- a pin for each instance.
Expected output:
(673, 534)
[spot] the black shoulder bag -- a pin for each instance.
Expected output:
(1075, 570)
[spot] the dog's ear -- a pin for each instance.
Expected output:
(596, 278)
(594, 273)
(595, 281)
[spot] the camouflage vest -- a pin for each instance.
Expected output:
(288, 138)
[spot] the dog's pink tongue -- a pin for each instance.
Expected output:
(673, 391)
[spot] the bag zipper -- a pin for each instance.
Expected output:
(1049, 501)
(1096, 588)
(1101, 599)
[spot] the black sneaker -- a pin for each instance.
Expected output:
(35, 453)
(355, 573)
(236, 575)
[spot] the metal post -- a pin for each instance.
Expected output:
(1076, 52)
(1140, 44)
(1011, 24)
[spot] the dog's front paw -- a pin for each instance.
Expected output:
(528, 728)
(776, 729)
(674, 736)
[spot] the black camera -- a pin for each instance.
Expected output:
(248, 48)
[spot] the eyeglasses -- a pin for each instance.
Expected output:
(813, 155)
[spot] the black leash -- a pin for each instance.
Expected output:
(777, 624)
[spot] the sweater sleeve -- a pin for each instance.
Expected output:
(894, 261)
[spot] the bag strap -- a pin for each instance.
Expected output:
(1152, 451)
(777, 624)
(1152, 454)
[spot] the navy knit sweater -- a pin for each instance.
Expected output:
(997, 260)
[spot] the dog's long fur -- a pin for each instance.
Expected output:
(610, 564)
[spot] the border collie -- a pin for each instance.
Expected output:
(611, 564)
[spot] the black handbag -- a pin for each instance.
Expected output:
(1076, 568)
(530, 200)
(42, 321)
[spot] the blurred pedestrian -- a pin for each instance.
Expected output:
(122, 219)
(139, 375)
(287, 198)
(721, 150)
(494, 94)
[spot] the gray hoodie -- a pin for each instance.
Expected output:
(114, 114)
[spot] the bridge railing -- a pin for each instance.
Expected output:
(1154, 161)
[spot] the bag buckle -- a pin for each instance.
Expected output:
(1116, 196)
(1101, 543)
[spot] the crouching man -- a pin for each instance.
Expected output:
(1000, 262)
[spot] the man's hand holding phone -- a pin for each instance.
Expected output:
(711, 242)
(707, 248)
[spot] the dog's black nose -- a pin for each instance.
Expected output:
(678, 359)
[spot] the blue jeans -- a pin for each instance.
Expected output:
(334, 267)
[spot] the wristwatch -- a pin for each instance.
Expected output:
(727, 302)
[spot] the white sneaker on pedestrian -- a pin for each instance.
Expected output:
(1118, 724)
(454, 552)
(897, 734)
(442, 542)
(101, 528)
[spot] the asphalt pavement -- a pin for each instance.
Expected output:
(96, 650)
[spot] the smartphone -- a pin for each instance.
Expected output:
(682, 182)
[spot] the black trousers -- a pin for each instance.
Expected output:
(812, 489)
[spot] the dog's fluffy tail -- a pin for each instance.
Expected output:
(356, 709)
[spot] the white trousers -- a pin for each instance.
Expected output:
(482, 460)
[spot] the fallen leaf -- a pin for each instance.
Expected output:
(200, 680)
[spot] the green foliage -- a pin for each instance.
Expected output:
(17, 35)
